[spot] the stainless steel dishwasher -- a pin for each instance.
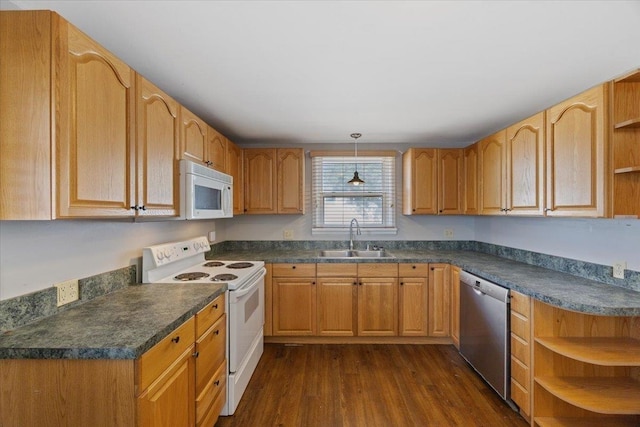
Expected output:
(484, 331)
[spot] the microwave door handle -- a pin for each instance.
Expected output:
(245, 290)
(226, 200)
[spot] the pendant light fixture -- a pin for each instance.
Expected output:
(356, 179)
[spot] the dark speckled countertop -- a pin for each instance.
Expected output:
(553, 287)
(120, 325)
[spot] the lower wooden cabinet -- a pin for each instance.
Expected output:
(455, 305)
(294, 299)
(337, 305)
(521, 347)
(413, 300)
(439, 300)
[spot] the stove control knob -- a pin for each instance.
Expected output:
(167, 253)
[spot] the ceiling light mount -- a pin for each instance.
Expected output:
(356, 179)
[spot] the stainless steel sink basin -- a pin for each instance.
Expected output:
(346, 253)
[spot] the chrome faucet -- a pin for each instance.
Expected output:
(351, 232)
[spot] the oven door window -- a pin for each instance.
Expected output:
(207, 198)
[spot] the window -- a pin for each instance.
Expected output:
(335, 202)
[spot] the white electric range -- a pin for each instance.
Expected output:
(184, 262)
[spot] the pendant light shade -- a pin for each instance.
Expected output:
(356, 179)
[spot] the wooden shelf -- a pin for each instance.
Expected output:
(598, 351)
(604, 395)
(587, 422)
(632, 123)
(629, 169)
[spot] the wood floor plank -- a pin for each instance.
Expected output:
(352, 385)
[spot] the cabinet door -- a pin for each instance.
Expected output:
(260, 183)
(210, 351)
(235, 167)
(470, 204)
(193, 137)
(576, 155)
(525, 167)
(294, 306)
(413, 306)
(290, 180)
(439, 300)
(450, 176)
(420, 182)
(455, 305)
(95, 129)
(491, 157)
(378, 306)
(216, 155)
(337, 306)
(157, 146)
(169, 401)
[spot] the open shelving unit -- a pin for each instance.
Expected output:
(625, 145)
(586, 370)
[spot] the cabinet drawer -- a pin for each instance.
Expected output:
(211, 352)
(208, 315)
(152, 363)
(520, 372)
(337, 270)
(521, 304)
(294, 270)
(210, 401)
(521, 397)
(413, 270)
(377, 270)
(520, 327)
(520, 349)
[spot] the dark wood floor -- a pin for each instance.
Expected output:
(368, 385)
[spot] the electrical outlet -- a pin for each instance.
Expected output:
(618, 269)
(288, 234)
(67, 292)
(448, 232)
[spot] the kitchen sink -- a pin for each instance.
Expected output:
(347, 253)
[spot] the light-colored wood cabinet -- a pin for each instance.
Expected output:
(290, 169)
(455, 305)
(450, 181)
(521, 352)
(420, 181)
(157, 148)
(439, 300)
(625, 146)
(586, 368)
(576, 155)
(216, 150)
(377, 300)
(268, 300)
(470, 163)
(491, 173)
(294, 299)
(260, 181)
(193, 137)
(413, 299)
(235, 168)
(337, 299)
(525, 145)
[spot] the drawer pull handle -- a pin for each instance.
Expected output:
(215, 306)
(176, 339)
(217, 382)
(216, 332)
(196, 354)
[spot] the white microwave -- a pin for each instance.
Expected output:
(204, 193)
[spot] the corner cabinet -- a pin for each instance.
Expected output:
(586, 370)
(576, 155)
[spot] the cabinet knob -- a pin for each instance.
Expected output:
(440, 211)
(135, 208)
(294, 267)
(401, 283)
(196, 354)
(360, 283)
(143, 207)
(313, 283)
(176, 339)
(413, 266)
(216, 332)
(433, 268)
(215, 306)
(355, 283)
(217, 382)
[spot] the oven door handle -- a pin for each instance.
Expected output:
(245, 290)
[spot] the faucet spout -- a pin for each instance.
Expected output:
(358, 232)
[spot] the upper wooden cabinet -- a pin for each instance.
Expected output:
(491, 172)
(193, 137)
(432, 181)
(157, 146)
(216, 150)
(235, 168)
(274, 181)
(470, 167)
(576, 132)
(525, 144)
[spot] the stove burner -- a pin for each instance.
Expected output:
(213, 264)
(240, 265)
(223, 277)
(186, 277)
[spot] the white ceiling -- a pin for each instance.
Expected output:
(431, 73)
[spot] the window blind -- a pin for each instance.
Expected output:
(335, 202)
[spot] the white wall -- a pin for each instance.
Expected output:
(38, 254)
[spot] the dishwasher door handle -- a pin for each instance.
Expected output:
(478, 291)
